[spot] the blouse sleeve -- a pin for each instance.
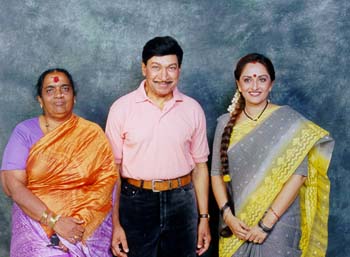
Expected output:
(15, 153)
(216, 162)
(18, 147)
(303, 168)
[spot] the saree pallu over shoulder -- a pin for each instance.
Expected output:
(275, 149)
(72, 170)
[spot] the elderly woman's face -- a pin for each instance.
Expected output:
(57, 97)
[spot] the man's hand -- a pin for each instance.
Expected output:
(204, 236)
(119, 244)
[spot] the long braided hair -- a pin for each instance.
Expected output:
(240, 105)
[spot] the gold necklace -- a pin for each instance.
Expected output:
(261, 113)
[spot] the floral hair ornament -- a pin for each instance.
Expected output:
(234, 101)
(56, 79)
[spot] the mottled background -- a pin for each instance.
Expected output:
(100, 43)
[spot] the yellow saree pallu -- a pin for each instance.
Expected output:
(72, 170)
(287, 139)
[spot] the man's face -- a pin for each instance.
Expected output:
(162, 75)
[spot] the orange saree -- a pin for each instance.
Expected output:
(72, 170)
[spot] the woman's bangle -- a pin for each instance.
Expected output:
(274, 213)
(264, 228)
(43, 218)
(53, 220)
(224, 208)
(224, 216)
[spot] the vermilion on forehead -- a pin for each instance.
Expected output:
(254, 75)
(56, 77)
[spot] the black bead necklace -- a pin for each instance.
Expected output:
(47, 125)
(261, 113)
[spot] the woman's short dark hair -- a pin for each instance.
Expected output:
(39, 84)
(160, 46)
(251, 58)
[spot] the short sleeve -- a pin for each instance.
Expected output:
(216, 162)
(199, 145)
(114, 131)
(18, 147)
(303, 168)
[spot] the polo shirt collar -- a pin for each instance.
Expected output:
(141, 95)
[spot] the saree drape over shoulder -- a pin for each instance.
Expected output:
(261, 161)
(72, 170)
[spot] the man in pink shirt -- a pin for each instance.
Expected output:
(158, 137)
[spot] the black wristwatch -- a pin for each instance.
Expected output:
(204, 216)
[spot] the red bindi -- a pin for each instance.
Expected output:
(254, 75)
(56, 79)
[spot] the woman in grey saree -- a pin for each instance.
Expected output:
(269, 172)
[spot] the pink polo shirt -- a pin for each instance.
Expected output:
(151, 143)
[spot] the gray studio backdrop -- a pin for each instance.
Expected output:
(100, 43)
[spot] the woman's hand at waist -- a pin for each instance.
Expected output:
(14, 183)
(256, 235)
(238, 227)
(70, 228)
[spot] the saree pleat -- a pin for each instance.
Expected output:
(290, 138)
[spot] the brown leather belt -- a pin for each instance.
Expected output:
(158, 185)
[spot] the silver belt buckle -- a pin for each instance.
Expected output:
(154, 181)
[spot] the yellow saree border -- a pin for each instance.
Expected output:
(314, 194)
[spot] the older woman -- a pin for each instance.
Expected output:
(59, 170)
(269, 172)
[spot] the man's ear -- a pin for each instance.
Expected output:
(143, 68)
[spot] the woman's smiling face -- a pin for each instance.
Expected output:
(255, 84)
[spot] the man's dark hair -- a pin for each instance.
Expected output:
(160, 46)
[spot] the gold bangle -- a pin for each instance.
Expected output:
(43, 218)
(53, 220)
